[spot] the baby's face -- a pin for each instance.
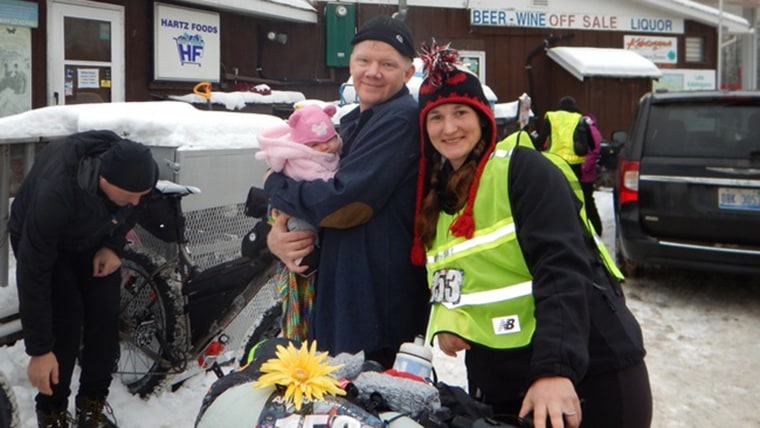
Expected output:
(330, 146)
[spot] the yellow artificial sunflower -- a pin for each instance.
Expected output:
(302, 372)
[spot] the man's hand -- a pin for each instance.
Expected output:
(105, 262)
(450, 343)
(554, 398)
(42, 370)
(290, 246)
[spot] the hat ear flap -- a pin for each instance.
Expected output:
(295, 118)
(330, 109)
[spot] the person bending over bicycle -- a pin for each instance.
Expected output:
(67, 227)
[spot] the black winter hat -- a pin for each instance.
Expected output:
(129, 166)
(389, 30)
(448, 81)
(568, 103)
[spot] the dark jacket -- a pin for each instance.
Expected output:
(584, 325)
(60, 208)
(368, 294)
(582, 132)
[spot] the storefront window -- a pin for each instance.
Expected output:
(87, 39)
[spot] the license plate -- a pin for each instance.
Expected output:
(738, 199)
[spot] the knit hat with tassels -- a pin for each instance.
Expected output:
(448, 81)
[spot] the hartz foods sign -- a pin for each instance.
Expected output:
(575, 21)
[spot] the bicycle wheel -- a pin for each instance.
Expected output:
(268, 328)
(8, 407)
(152, 332)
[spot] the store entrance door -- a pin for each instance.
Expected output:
(85, 52)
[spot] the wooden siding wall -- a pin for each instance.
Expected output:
(510, 70)
(299, 65)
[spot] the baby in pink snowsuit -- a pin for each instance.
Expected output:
(307, 148)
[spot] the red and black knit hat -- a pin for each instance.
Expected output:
(448, 81)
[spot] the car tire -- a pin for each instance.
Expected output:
(627, 266)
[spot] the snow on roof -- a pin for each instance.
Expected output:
(154, 123)
(281, 10)
(584, 62)
(237, 100)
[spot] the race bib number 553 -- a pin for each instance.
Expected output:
(447, 286)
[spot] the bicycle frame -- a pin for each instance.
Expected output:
(215, 308)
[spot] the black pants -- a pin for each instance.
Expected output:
(86, 313)
(619, 399)
(591, 211)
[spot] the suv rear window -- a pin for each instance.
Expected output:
(719, 128)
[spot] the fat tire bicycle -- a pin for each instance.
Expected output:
(178, 319)
(9, 417)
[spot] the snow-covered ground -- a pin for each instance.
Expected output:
(700, 331)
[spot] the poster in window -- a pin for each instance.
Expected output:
(475, 61)
(15, 70)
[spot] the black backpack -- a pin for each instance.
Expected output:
(581, 137)
(460, 410)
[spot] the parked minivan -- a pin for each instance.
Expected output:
(688, 188)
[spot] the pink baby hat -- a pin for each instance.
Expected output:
(312, 124)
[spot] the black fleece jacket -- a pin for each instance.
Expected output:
(60, 208)
(583, 324)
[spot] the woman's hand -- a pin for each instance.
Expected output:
(290, 246)
(450, 343)
(554, 398)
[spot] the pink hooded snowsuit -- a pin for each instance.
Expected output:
(284, 148)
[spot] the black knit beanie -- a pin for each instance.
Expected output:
(448, 81)
(389, 30)
(129, 166)
(568, 103)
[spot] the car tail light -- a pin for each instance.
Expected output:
(629, 181)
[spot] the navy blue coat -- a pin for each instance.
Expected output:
(368, 295)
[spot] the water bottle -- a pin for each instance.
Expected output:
(415, 358)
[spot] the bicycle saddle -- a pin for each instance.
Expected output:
(169, 187)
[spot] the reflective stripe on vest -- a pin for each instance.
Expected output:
(475, 241)
(563, 124)
(490, 296)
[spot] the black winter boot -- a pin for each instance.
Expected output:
(53, 418)
(91, 413)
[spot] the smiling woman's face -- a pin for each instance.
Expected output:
(454, 130)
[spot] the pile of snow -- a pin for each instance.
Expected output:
(237, 100)
(154, 123)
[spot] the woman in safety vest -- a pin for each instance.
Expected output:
(515, 279)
